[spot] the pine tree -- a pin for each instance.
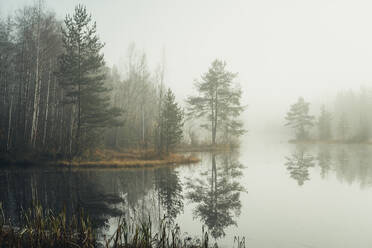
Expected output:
(82, 75)
(324, 124)
(343, 126)
(363, 130)
(172, 121)
(218, 101)
(298, 118)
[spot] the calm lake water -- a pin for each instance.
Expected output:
(274, 195)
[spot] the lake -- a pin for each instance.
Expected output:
(273, 194)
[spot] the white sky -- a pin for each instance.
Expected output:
(281, 49)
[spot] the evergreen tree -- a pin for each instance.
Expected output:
(82, 75)
(324, 124)
(363, 130)
(218, 101)
(172, 121)
(343, 126)
(298, 118)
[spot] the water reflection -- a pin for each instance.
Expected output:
(298, 164)
(348, 163)
(103, 194)
(169, 190)
(324, 160)
(217, 194)
(57, 190)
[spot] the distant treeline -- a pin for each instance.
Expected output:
(347, 118)
(58, 96)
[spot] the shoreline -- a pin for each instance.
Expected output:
(101, 159)
(329, 142)
(206, 148)
(111, 158)
(175, 159)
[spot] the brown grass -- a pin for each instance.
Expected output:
(130, 159)
(206, 148)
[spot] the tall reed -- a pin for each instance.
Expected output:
(41, 228)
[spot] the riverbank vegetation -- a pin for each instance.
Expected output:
(60, 100)
(346, 119)
(129, 159)
(42, 228)
(103, 158)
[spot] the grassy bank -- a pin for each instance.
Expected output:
(100, 158)
(43, 228)
(206, 148)
(129, 159)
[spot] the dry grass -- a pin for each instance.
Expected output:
(130, 159)
(42, 228)
(206, 148)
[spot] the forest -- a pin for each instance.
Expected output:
(345, 118)
(59, 99)
(113, 135)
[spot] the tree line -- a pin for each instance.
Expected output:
(346, 118)
(59, 97)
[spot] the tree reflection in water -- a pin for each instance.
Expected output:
(217, 194)
(57, 190)
(103, 194)
(298, 165)
(169, 190)
(324, 160)
(349, 163)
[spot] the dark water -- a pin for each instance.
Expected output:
(275, 195)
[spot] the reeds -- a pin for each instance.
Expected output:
(143, 236)
(42, 228)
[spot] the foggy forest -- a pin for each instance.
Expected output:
(185, 124)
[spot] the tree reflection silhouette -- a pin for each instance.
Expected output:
(57, 190)
(169, 189)
(217, 194)
(324, 160)
(298, 165)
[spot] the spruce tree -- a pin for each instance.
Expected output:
(82, 75)
(324, 124)
(172, 121)
(343, 126)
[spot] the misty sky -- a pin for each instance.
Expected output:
(281, 49)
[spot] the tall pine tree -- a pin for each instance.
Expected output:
(82, 75)
(218, 101)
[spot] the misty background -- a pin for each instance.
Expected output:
(281, 49)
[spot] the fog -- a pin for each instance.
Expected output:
(243, 119)
(281, 49)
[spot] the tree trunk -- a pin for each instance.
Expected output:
(47, 105)
(9, 124)
(35, 114)
(79, 102)
(214, 117)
